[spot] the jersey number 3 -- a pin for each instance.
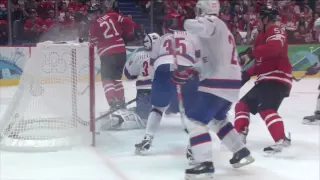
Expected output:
(179, 45)
(145, 69)
(111, 30)
(234, 59)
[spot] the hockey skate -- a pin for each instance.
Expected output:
(142, 147)
(312, 120)
(241, 158)
(278, 146)
(203, 171)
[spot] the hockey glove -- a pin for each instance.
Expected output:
(312, 70)
(182, 74)
(245, 77)
(245, 56)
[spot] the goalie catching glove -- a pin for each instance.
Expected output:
(182, 74)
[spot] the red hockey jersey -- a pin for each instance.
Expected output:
(106, 33)
(271, 57)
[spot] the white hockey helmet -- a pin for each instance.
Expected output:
(149, 40)
(207, 7)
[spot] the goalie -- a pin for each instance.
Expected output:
(137, 67)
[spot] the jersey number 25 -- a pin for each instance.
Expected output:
(111, 30)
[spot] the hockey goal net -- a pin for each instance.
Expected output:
(53, 107)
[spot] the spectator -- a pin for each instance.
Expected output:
(50, 21)
(115, 7)
(252, 17)
(303, 35)
(189, 11)
(225, 15)
(68, 21)
(159, 13)
(236, 22)
(33, 27)
(75, 5)
(3, 32)
(317, 6)
(237, 11)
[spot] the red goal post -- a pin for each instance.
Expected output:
(52, 108)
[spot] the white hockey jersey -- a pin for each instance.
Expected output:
(220, 72)
(138, 67)
(180, 44)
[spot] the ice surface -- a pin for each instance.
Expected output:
(114, 158)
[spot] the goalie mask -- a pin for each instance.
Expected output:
(207, 7)
(149, 40)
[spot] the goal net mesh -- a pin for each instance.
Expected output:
(51, 107)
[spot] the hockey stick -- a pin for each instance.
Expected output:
(180, 101)
(298, 79)
(87, 87)
(114, 110)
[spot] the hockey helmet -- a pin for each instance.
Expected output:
(94, 8)
(149, 40)
(207, 7)
(268, 11)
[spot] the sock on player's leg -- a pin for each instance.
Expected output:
(242, 116)
(200, 141)
(227, 134)
(109, 90)
(154, 120)
(119, 90)
(274, 124)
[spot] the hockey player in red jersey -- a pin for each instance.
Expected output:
(273, 70)
(106, 32)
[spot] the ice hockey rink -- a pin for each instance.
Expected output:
(114, 159)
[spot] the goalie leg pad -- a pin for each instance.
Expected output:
(122, 119)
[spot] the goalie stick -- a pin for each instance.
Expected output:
(114, 110)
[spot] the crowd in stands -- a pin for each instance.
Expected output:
(241, 16)
(32, 19)
(37, 20)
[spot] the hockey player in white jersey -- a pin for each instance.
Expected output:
(176, 45)
(136, 68)
(315, 118)
(220, 82)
